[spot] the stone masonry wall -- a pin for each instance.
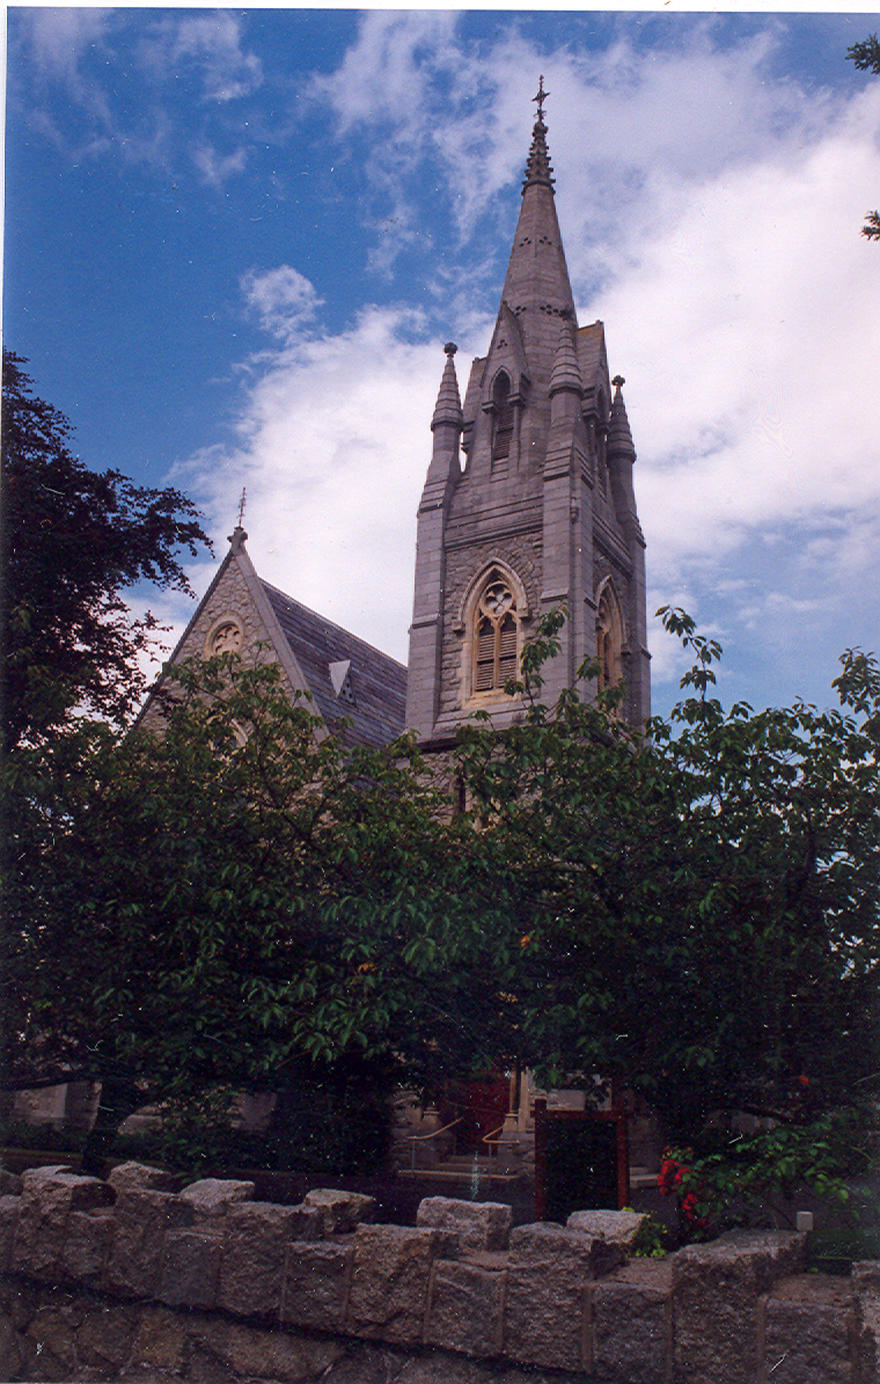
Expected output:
(128, 1280)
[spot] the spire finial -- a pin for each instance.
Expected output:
(238, 535)
(538, 169)
(618, 381)
(541, 97)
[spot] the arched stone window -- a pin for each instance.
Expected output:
(609, 638)
(495, 634)
(224, 637)
(502, 426)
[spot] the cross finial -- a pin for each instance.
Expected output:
(241, 504)
(541, 97)
(618, 381)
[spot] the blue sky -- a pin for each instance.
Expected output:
(236, 242)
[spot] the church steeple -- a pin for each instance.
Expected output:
(536, 287)
(542, 514)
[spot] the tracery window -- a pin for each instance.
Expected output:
(609, 639)
(225, 637)
(502, 431)
(496, 629)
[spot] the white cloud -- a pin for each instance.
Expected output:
(59, 40)
(334, 445)
(711, 217)
(214, 167)
(59, 37)
(284, 300)
(386, 74)
(213, 42)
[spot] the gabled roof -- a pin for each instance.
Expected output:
(372, 693)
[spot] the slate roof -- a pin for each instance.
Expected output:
(590, 340)
(377, 683)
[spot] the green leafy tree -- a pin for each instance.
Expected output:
(866, 56)
(241, 901)
(238, 902)
(699, 905)
(75, 541)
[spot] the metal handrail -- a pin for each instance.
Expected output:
(432, 1134)
(488, 1139)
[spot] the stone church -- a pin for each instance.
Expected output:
(528, 503)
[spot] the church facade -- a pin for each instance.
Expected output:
(528, 505)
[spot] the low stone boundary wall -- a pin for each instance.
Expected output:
(128, 1279)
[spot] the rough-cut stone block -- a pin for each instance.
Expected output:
(86, 1245)
(615, 1227)
(32, 1175)
(8, 1221)
(142, 1220)
(51, 1185)
(10, 1183)
(716, 1288)
(160, 1341)
(235, 1350)
(544, 1316)
(105, 1338)
(212, 1196)
(46, 1202)
(51, 1337)
(466, 1308)
(809, 1331)
(389, 1284)
(316, 1284)
(865, 1280)
(190, 1269)
(255, 1239)
(342, 1211)
(140, 1177)
(631, 1315)
(466, 1225)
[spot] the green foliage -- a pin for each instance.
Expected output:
(74, 541)
(690, 910)
(698, 906)
(45, 1135)
(865, 55)
(652, 1240)
(754, 1178)
(291, 905)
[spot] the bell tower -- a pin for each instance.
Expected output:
(528, 502)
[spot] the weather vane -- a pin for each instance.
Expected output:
(541, 97)
(241, 505)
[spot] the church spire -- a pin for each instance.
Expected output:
(537, 288)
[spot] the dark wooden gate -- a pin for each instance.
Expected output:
(581, 1161)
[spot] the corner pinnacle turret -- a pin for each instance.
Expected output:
(448, 406)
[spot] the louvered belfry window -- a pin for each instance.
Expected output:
(495, 635)
(503, 429)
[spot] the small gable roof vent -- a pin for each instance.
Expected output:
(340, 677)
